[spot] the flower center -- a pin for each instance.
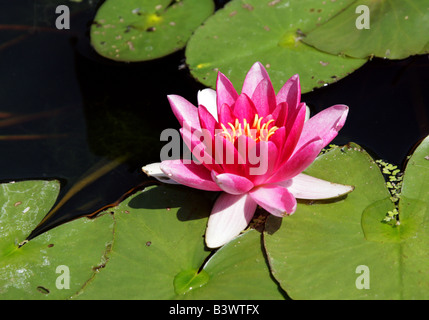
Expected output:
(255, 130)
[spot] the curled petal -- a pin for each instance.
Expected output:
(154, 170)
(304, 186)
(231, 183)
(230, 215)
(276, 199)
(189, 174)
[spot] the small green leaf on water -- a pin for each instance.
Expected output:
(139, 30)
(396, 30)
(236, 36)
(189, 279)
(315, 253)
(28, 268)
(159, 248)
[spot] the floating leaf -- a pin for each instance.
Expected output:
(239, 271)
(270, 32)
(320, 252)
(397, 29)
(188, 280)
(23, 205)
(416, 177)
(158, 235)
(138, 30)
(56, 264)
(159, 253)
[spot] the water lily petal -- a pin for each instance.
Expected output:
(294, 127)
(184, 111)
(276, 199)
(290, 92)
(279, 138)
(307, 113)
(298, 162)
(200, 143)
(232, 183)
(265, 154)
(154, 170)
(280, 114)
(225, 114)
(256, 74)
(230, 215)
(304, 186)
(227, 157)
(189, 174)
(264, 98)
(226, 93)
(207, 98)
(244, 108)
(325, 124)
(207, 121)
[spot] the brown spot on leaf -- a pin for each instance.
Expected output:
(42, 290)
(247, 6)
(273, 3)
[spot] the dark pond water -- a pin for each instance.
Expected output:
(66, 112)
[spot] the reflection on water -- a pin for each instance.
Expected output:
(65, 111)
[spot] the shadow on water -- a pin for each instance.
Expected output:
(125, 110)
(192, 204)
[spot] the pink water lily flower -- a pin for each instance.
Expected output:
(271, 127)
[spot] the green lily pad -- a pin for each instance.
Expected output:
(397, 29)
(239, 270)
(159, 253)
(158, 234)
(188, 280)
(23, 205)
(56, 264)
(244, 32)
(416, 177)
(139, 30)
(425, 49)
(325, 250)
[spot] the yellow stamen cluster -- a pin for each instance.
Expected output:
(255, 130)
